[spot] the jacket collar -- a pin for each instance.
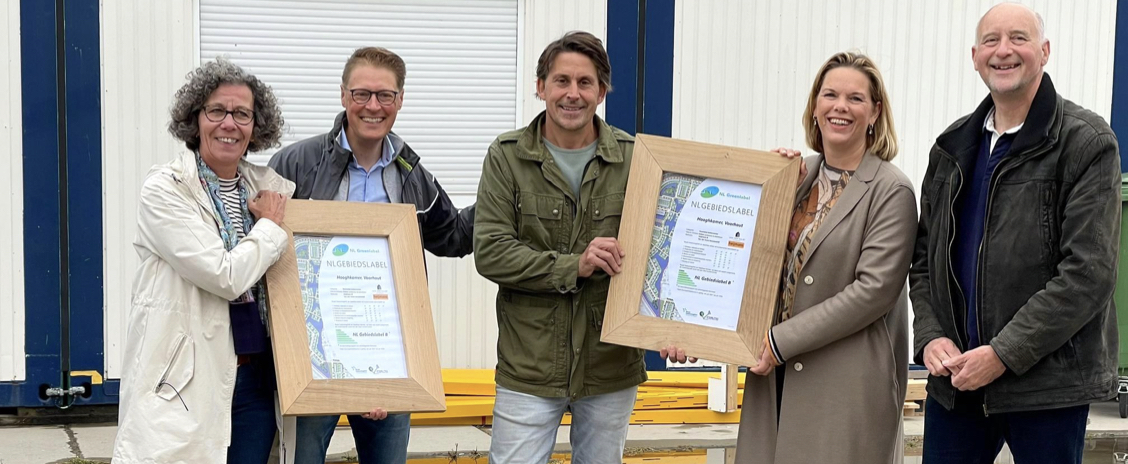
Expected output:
(256, 177)
(531, 142)
(406, 158)
(1042, 125)
(867, 169)
(849, 198)
(865, 172)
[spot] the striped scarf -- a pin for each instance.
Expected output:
(809, 215)
(210, 181)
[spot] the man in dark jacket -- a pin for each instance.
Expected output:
(1015, 261)
(362, 160)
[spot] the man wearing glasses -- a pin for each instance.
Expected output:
(360, 159)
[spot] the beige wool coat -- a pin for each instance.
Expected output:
(846, 346)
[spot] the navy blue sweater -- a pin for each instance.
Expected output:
(970, 217)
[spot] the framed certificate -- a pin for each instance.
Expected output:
(350, 315)
(704, 242)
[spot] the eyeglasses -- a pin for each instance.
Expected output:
(383, 97)
(241, 116)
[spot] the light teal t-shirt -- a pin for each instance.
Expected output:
(572, 162)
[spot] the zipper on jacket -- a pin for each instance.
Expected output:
(951, 240)
(998, 174)
(1000, 170)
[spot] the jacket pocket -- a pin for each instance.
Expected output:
(1050, 225)
(606, 215)
(938, 196)
(606, 362)
(527, 337)
(540, 220)
(178, 369)
(1058, 373)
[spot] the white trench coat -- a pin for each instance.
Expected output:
(178, 343)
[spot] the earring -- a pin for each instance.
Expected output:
(870, 132)
(815, 119)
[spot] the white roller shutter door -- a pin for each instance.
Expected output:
(461, 56)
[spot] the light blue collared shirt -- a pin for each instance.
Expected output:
(368, 186)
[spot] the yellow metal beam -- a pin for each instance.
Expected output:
(452, 421)
(667, 398)
(685, 379)
(478, 382)
(684, 399)
(657, 416)
(684, 416)
(462, 406)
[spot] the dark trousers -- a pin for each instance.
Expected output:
(377, 442)
(964, 435)
(252, 411)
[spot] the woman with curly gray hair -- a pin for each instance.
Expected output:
(197, 365)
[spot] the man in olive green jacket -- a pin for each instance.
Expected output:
(549, 205)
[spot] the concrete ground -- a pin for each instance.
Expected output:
(63, 443)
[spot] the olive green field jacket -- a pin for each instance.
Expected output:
(529, 233)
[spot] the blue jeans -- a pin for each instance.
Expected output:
(252, 411)
(524, 427)
(965, 436)
(377, 442)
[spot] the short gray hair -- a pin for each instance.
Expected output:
(189, 100)
(1040, 23)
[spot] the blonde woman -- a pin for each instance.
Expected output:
(830, 383)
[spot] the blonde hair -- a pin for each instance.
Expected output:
(883, 141)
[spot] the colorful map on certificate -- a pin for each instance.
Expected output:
(672, 195)
(309, 250)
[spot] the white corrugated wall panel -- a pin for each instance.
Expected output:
(12, 366)
(147, 48)
(461, 58)
(547, 21)
(742, 70)
(462, 303)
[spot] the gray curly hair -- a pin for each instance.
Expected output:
(189, 100)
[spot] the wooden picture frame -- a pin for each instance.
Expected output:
(299, 393)
(656, 156)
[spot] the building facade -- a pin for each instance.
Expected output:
(85, 95)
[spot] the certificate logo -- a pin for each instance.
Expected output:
(736, 241)
(710, 192)
(340, 250)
